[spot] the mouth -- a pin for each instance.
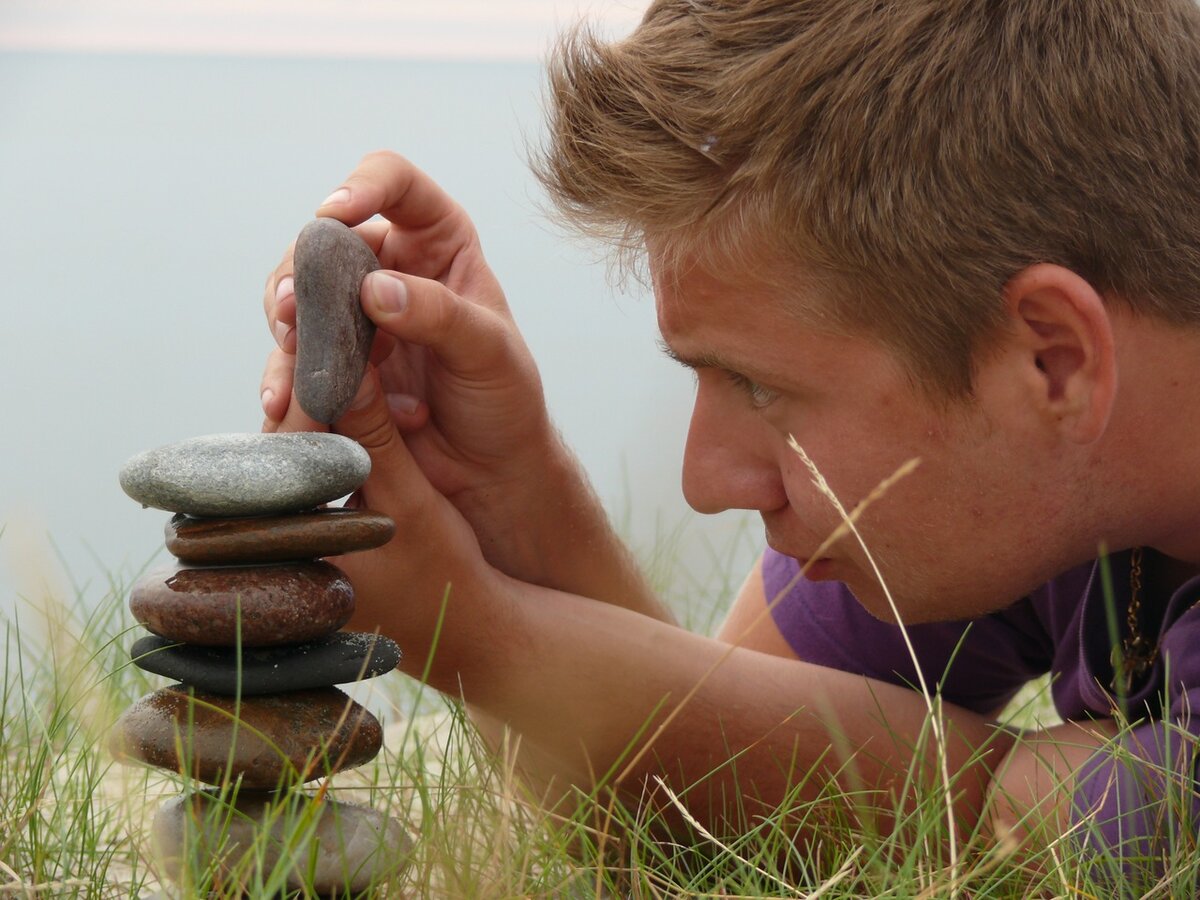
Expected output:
(818, 569)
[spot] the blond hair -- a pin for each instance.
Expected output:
(915, 154)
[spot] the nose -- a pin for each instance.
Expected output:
(731, 458)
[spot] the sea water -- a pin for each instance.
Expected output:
(145, 199)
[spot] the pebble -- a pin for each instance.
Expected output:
(333, 334)
(246, 474)
(344, 848)
(341, 658)
(305, 535)
(279, 604)
(262, 740)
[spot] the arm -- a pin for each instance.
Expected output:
(1125, 792)
(1031, 793)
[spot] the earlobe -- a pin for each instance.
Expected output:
(1064, 333)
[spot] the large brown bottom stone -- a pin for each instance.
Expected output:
(327, 848)
(271, 740)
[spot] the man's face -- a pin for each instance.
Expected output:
(983, 519)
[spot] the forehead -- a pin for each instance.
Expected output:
(771, 328)
(689, 296)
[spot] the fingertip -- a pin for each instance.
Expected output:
(285, 288)
(338, 199)
(384, 294)
(285, 336)
(408, 412)
(269, 407)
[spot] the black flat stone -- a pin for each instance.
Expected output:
(341, 658)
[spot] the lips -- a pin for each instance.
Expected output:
(820, 569)
(778, 539)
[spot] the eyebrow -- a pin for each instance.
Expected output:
(703, 361)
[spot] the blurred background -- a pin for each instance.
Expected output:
(155, 160)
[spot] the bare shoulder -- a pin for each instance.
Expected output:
(749, 623)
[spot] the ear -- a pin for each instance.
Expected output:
(1064, 338)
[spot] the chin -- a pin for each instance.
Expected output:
(912, 612)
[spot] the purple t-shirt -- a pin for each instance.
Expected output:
(1130, 811)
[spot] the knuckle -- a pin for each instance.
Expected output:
(448, 313)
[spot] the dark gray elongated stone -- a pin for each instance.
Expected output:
(246, 474)
(333, 848)
(341, 658)
(333, 334)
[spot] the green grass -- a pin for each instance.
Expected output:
(75, 824)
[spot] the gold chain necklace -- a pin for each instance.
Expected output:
(1133, 659)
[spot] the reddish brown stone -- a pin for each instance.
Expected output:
(280, 604)
(307, 535)
(314, 733)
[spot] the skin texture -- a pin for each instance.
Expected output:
(550, 629)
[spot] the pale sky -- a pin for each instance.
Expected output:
(433, 29)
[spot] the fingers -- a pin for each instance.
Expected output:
(429, 234)
(387, 184)
(471, 340)
(395, 482)
(276, 386)
(282, 318)
(279, 406)
(279, 294)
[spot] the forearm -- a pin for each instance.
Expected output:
(601, 675)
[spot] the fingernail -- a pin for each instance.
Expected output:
(281, 332)
(285, 287)
(386, 293)
(341, 195)
(403, 403)
(267, 396)
(366, 393)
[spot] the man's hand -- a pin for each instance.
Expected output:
(457, 376)
(461, 388)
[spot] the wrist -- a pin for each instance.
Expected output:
(523, 519)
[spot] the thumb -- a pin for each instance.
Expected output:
(473, 340)
(395, 481)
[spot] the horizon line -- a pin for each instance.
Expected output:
(429, 29)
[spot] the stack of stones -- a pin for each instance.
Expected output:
(247, 625)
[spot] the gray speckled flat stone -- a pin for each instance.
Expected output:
(246, 474)
(333, 334)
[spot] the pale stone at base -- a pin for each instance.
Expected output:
(349, 849)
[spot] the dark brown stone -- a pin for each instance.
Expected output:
(306, 535)
(265, 741)
(280, 604)
(333, 334)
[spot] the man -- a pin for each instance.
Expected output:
(946, 230)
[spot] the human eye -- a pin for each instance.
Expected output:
(760, 397)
